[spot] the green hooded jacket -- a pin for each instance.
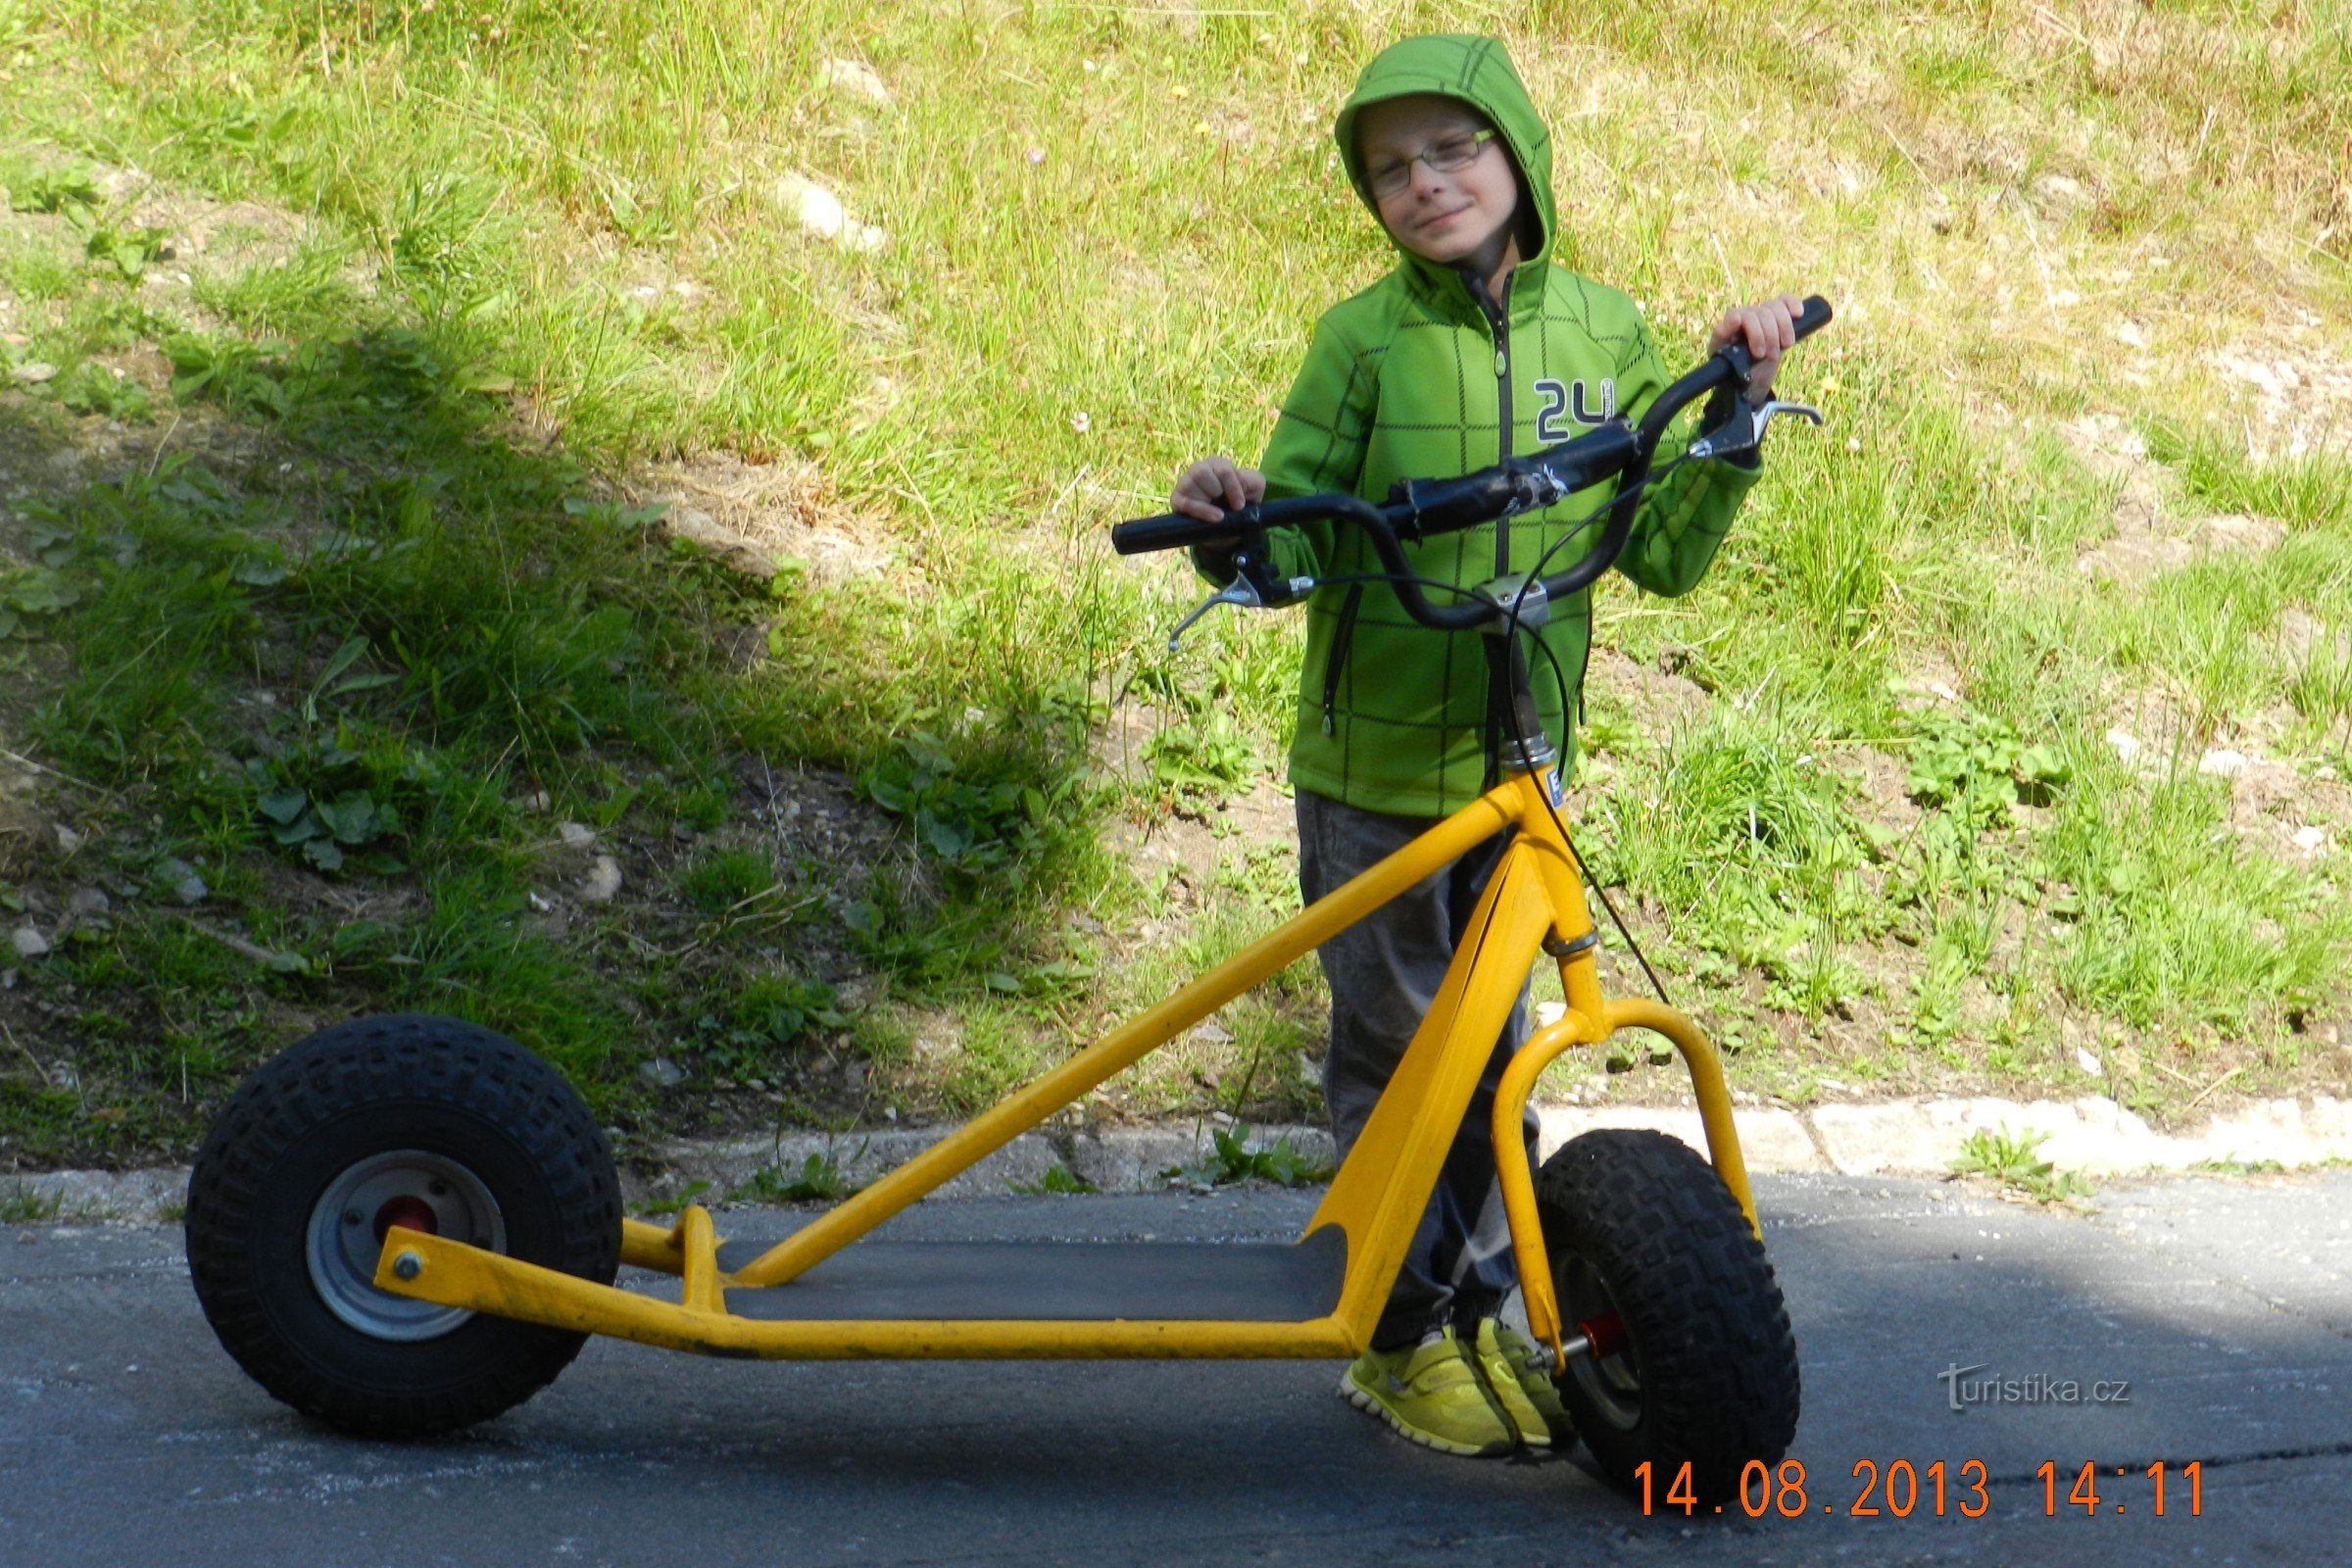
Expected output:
(1412, 380)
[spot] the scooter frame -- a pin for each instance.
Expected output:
(1534, 905)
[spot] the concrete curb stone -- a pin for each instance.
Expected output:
(2090, 1135)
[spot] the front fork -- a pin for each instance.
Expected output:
(1592, 1020)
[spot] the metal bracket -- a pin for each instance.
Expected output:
(1569, 949)
(1523, 598)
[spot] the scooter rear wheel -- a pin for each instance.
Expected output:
(1692, 1359)
(409, 1120)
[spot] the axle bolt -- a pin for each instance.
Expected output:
(408, 1266)
(352, 1216)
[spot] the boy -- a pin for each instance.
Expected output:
(1473, 348)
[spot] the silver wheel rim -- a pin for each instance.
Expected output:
(402, 1186)
(1609, 1383)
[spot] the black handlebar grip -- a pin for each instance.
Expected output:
(1175, 532)
(1810, 319)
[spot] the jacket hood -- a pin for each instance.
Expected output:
(1476, 70)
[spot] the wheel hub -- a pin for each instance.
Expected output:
(1606, 1371)
(419, 1191)
(409, 1213)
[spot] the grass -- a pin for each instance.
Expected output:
(495, 259)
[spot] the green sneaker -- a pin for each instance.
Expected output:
(1432, 1394)
(1516, 1375)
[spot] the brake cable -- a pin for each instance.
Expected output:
(1559, 675)
(1510, 607)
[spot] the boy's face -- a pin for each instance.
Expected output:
(1439, 216)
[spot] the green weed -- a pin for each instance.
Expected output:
(684, 1196)
(746, 1039)
(817, 1180)
(1978, 767)
(969, 823)
(30, 596)
(2010, 1161)
(2238, 1168)
(20, 1204)
(89, 388)
(1232, 1159)
(128, 251)
(334, 805)
(51, 190)
(1197, 765)
(1057, 1179)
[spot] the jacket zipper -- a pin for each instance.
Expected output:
(1499, 319)
(1339, 654)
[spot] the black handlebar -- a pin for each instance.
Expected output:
(1173, 530)
(1420, 509)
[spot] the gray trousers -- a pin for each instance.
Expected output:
(1384, 973)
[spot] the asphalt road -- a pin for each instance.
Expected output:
(129, 1439)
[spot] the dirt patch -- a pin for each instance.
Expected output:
(1931, 681)
(1187, 832)
(47, 450)
(2292, 391)
(1662, 698)
(1198, 840)
(217, 238)
(25, 830)
(2298, 809)
(820, 818)
(198, 240)
(2154, 528)
(2302, 636)
(1881, 789)
(759, 518)
(2293, 813)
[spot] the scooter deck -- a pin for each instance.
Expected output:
(1041, 1282)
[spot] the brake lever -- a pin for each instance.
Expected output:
(1744, 431)
(1237, 592)
(1245, 593)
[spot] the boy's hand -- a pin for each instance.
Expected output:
(1767, 328)
(1215, 486)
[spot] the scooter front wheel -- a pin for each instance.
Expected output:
(412, 1120)
(1689, 1358)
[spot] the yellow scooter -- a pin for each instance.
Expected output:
(404, 1225)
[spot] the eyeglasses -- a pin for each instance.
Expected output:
(1454, 150)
